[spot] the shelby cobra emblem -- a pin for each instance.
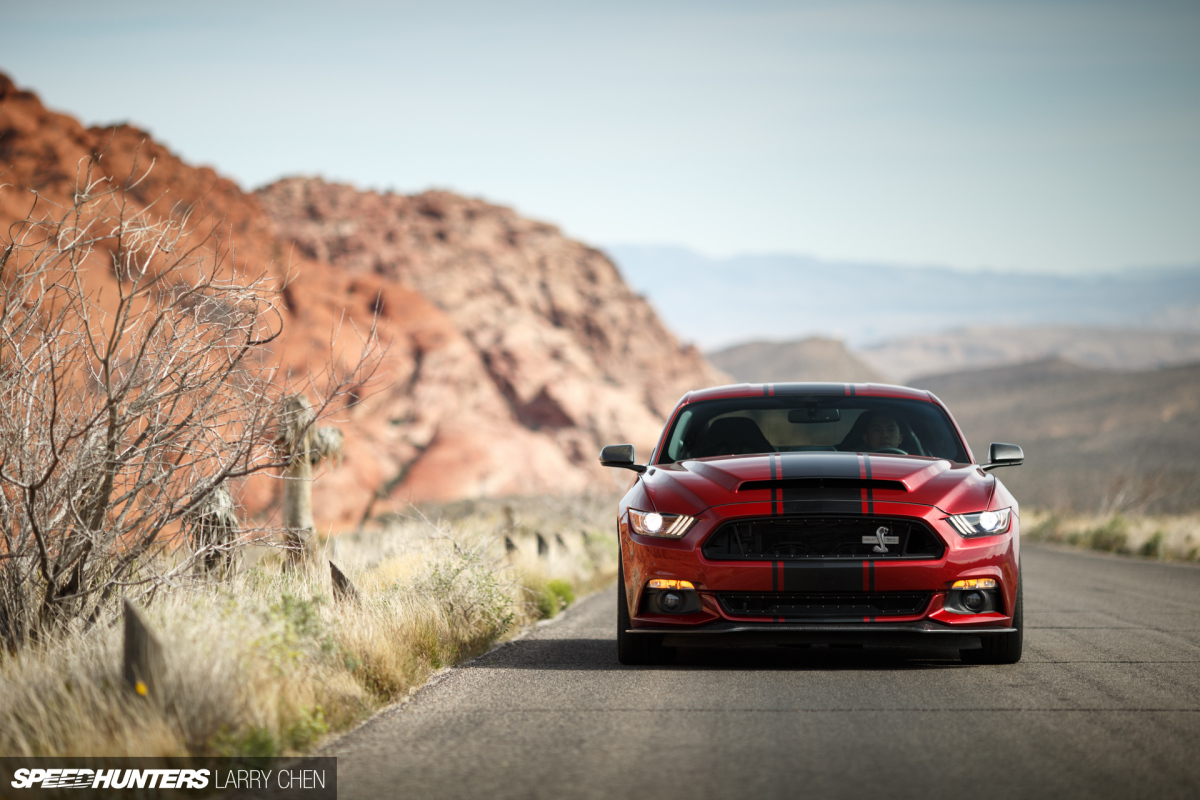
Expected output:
(882, 538)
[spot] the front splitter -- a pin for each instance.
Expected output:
(906, 634)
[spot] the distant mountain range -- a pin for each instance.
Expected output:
(722, 302)
(1094, 440)
(906, 357)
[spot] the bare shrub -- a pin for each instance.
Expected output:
(1164, 537)
(134, 387)
(1135, 491)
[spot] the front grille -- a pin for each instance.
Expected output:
(824, 605)
(792, 538)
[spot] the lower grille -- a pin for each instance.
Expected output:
(799, 538)
(824, 606)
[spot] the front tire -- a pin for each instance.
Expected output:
(1004, 648)
(634, 649)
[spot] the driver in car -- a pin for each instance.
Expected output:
(882, 434)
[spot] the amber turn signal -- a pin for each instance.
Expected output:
(660, 583)
(975, 583)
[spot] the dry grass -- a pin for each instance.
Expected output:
(1167, 538)
(269, 663)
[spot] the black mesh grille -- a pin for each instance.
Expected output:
(824, 606)
(789, 538)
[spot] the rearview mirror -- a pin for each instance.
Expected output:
(619, 455)
(814, 414)
(1003, 455)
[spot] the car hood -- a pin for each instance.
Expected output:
(689, 487)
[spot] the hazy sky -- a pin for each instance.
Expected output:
(1053, 136)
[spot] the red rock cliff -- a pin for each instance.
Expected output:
(513, 353)
(576, 354)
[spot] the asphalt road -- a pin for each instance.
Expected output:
(1105, 703)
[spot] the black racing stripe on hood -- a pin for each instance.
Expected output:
(801, 496)
(819, 465)
(823, 503)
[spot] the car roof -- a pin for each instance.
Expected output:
(784, 389)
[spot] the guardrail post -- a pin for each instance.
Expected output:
(144, 665)
(343, 589)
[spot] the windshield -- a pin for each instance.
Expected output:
(749, 425)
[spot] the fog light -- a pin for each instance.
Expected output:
(974, 600)
(671, 601)
(975, 583)
(661, 583)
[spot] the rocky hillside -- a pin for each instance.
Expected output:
(512, 353)
(578, 357)
(812, 359)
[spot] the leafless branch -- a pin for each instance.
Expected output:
(125, 417)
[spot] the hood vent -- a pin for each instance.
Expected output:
(823, 483)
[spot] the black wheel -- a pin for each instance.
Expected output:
(635, 648)
(1006, 647)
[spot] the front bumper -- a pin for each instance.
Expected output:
(995, 557)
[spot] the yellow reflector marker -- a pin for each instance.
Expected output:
(975, 583)
(660, 583)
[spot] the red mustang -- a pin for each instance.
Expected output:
(817, 513)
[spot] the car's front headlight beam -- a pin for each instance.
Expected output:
(665, 526)
(985, 523)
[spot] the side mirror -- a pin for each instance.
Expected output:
(1003, 455)
(620, 455)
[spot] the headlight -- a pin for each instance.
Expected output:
(985, 523)
(667, 526)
